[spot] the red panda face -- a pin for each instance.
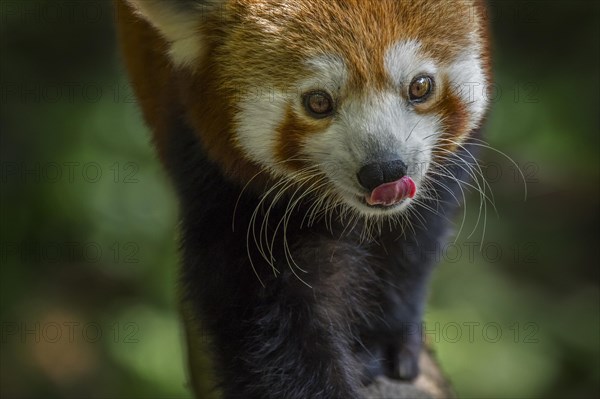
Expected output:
(361, 98)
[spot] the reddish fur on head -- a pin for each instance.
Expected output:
(239, 56)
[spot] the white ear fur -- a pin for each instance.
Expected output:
(179, 22)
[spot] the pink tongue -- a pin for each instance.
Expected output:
(391, 193)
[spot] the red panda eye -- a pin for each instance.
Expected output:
(318, 104)
(420, 89)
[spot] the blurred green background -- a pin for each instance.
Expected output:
(89, 223)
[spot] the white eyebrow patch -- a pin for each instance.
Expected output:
(404, 60)
(327, 72)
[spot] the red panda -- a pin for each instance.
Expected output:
(314, 145)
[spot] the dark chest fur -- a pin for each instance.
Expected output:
(315, 327)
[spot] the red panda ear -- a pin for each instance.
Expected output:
(179, 22)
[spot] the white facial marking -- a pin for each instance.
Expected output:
(328, 73)
(379, 126)
(261, 112)
(404, 61)
(469, 80)
(367, 131)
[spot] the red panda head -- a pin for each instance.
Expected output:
(358, 97)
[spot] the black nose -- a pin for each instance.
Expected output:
(375, 174)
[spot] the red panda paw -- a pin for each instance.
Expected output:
(405, 361)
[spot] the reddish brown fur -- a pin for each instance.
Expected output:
(292, 132)
(454, 115)
(155, 82)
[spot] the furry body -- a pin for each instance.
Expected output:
(359, 318)
(303, 294)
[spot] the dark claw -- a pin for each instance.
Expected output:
(406, 365)
(405, 358)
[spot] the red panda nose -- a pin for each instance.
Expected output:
(375, 174)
